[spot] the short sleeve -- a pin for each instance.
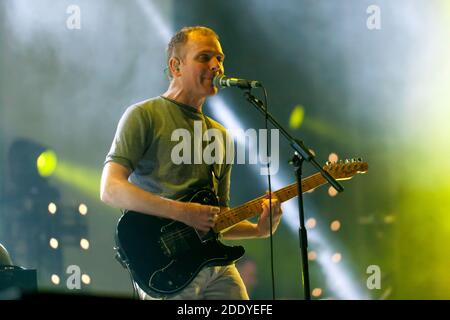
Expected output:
(133, 137)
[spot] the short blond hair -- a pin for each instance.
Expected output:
(180, 38)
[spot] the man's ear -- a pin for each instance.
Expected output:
(174, 65)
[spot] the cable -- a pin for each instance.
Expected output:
(269, 154)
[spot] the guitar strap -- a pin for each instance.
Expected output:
(214, 177)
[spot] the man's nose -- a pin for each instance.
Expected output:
(216, 65)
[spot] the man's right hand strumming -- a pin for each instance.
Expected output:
(198, 216)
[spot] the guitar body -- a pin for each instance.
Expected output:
(164, 255)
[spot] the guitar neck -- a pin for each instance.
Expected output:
(253, 208)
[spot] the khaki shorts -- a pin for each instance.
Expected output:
(212, 283)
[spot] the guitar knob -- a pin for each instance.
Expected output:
(327, 163)
(360, 159)
(353, 160)
(347, 161)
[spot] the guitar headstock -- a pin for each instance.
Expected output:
(344, 170)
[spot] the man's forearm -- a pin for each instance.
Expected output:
(243, 230)
(125, 195)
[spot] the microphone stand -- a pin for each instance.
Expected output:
(301, 153)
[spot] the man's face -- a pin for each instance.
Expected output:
(202, 59)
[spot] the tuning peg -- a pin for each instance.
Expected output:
(353, 160)
(347, 161)
(327, 163)
(360, 159)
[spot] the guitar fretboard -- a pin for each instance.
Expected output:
(253, 208)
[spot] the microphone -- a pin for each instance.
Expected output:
(222, 81)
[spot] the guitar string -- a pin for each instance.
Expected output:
(235, 213)
(179, 234)
(232, 214)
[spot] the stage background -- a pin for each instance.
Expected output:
(357, 78)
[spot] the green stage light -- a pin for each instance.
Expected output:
(297, 116)
(85, 179)
(46, 163)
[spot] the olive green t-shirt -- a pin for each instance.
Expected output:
(143, 143)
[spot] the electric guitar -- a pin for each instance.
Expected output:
(164, 256)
